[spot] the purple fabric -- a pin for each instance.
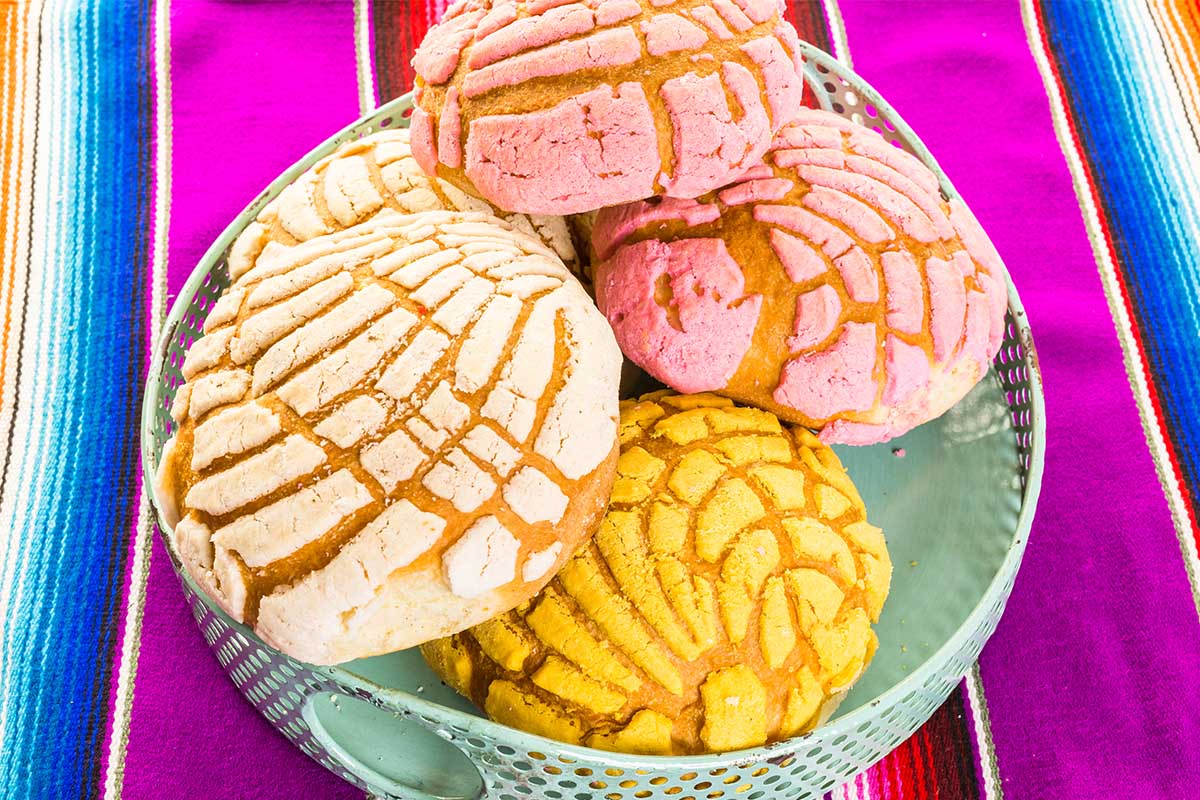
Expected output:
(1083, 676)
(253, 89)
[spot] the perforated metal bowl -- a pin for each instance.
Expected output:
(955, 497)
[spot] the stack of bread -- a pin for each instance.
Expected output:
(405, 425)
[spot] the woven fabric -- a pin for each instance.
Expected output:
(131, 132)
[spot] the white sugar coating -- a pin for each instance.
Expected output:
(376, 431)
(484, 558)
(364, 177)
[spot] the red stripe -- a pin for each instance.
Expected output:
(1106, 231)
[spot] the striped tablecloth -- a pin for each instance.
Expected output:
(132, 131)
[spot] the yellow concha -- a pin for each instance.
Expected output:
(725, 602)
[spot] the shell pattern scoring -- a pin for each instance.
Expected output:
(362, 178)
(725, 601)
(390, 432)
(548, 107)
(832, 285)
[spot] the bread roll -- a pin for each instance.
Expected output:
(832, 285)
(551, 108)
(391, 433)
(726, 600)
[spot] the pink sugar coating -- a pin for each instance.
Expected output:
(669, 33)
(527, 33)
(710, 19)
(755, 191)
(907, 370)
(925, 200)
(449, 128)
(997, 306)
(785, 89)
(501, 14)
(832, 241)
(759, 11)
(948, 306)
(825, 119)
(607, 48)
(535, 7)
(854, 214)
(734, 16)
(756, 172)
(573, 157)
(818, 157)
(791, 40)
(710, 147)
(964, 263)
(870, 144)
(440, 50)
(615, 223)
(905, 292)
(715, 319)
(420, 133)
(800, 260)
(896, 207)
(844, 431)
(975, 335)
(816, 137)
(837, 379)
(613, 11)
(817, 313)
(858, 274)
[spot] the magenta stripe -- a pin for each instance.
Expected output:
(254, 87)
(1089, 684)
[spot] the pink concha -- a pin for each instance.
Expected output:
(863, 304)
(561, 106)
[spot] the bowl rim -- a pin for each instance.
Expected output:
(406, 702)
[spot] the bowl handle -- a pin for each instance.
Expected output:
(392, 755)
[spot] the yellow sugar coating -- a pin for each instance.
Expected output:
(648, 733)
(735, 709)
(732, 508)
(725, 602)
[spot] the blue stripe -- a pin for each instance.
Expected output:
(86, 362)
(1142, 182)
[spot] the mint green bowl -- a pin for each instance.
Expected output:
(956, 509)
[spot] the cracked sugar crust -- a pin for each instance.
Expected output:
(725, 602)
(401, 429)
(362, 178)
(832, 285)
(561, 108)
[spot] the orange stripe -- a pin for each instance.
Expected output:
(11, 49)
(1184, 19)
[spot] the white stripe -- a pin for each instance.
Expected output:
(1134, 367)
(983, 735)
(25, 501)
(16, 256)
(139, 570)
(362, 56)
(837, 32)
(1181, 157)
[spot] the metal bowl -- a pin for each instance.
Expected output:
(956, 508)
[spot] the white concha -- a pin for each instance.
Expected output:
(362, 178)
(373, 444)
